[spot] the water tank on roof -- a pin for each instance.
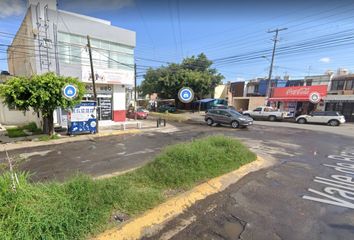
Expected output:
(342, 71)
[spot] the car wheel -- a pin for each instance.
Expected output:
(301, 121)
(235, 124)
(210, 121)
(272, 118)
(333, 123)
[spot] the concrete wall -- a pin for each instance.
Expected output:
(256, 102)
(21, 56)
(221, 91)
(247, 103)
(118, 103)
(14, 117)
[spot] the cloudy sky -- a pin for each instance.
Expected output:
(232, 33)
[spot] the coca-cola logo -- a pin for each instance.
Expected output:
(297, 92)
(315, 97)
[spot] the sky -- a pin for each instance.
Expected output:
(233, 34)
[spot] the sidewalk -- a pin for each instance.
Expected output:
(7, 143)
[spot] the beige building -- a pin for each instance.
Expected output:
(247, 103)
(221, 91)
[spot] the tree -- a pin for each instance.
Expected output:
(41, 92)
(193, 72)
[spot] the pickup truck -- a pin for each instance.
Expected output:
(267, 113)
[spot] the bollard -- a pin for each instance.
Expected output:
(158, 122)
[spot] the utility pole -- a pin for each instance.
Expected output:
(93, 79)
(272, 61)
(135, 92)
(135, 100)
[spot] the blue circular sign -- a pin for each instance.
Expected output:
(186, 95)
(70, 91)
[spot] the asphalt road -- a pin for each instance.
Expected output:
(285, 201)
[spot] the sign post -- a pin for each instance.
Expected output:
(186, 95)
(82, 118)
(70, 91)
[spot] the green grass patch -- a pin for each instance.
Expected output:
(20, 131)
(48, 138)
(170, 116)
(15, 132)
(80, 207)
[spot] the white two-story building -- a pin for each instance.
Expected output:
(52, 40)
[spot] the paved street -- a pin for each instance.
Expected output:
(268, 204)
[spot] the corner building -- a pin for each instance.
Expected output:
(52, 40)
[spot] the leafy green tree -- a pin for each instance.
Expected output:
(41, 92)
(193, 72)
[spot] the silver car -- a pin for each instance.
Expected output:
(330, 118)
(227, 116)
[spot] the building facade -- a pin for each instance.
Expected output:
(52, 40)
(341, 96)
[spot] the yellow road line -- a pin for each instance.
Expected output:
(152, 220)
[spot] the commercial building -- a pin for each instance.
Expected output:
(301, 99)
(50, 39)
(341, 96)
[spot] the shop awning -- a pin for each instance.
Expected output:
(298, 94)
(289, 99)
(339, 98)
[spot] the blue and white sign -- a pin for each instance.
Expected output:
(82, 118)
(70, 91)
(186, 95)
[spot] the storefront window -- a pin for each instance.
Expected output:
(349, 85)
(338, 85)
(105, 54)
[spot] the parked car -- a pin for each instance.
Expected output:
(266, 113)
(168, 108)
(143, 109)
(227, 116)
(138, 114)
(330, 118)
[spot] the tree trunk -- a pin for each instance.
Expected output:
(48, 124)
(51, 123)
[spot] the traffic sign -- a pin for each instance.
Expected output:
(70, 91)
(186, 95)
(315, 97)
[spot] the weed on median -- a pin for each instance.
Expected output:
(81, 206)
(14, 132)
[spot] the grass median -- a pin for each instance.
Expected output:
(81, 207)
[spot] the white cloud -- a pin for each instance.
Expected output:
(96, 4)
(325, 60)
(10, 8)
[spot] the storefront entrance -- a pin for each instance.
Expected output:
(346, 108)
(104, 108)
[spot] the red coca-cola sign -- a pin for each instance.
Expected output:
(301, 93)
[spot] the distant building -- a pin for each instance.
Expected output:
(341, 96)
(221, 91)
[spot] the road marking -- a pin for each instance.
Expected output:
(39, 153)
(184, 223)
(339, 189)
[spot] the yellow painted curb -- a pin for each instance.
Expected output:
(151, 220)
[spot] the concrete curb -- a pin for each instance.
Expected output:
(14, 146)
(153, 220)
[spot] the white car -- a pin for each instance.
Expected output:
(266, 113)
(330, 118)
